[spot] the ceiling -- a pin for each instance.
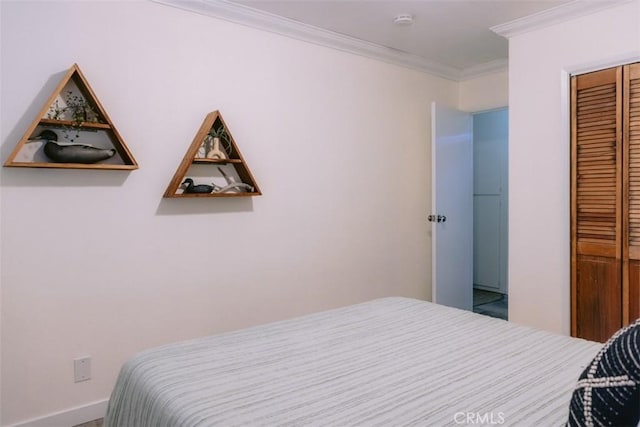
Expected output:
(454, 39)
(452, 33)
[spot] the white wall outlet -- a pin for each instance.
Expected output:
(82, 369)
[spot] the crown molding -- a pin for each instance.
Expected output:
(484, 69)
(240, 14)
(254, 18)
(554, 15)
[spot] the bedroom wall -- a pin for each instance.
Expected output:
(539, 233)
(97, 263)
(484, 93)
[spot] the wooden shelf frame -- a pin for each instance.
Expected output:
(75, 75)
(69, 123)
(190, 158)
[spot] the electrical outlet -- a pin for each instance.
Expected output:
(82, 369)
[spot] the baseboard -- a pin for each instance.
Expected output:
(70, 417)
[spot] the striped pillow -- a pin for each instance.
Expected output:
(608, 391)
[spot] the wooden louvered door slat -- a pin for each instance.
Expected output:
(596, 208)
(631, 194)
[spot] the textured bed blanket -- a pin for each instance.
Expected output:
(387, 362)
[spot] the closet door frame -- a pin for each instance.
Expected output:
(631, 194)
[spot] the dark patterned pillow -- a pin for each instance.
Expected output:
(608, 391)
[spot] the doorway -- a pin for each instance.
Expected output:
(490, 212)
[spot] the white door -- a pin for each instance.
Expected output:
(452, 206)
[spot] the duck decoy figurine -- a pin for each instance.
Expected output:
(72, 153)
(200, 188)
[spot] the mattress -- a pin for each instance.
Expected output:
(386, 362)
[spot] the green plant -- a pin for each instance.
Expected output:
(221, 133)
(77, 110)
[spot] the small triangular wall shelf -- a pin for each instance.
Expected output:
(86, 137)
(214, 165)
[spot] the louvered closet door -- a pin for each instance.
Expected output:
(631, 138)
(596, 217)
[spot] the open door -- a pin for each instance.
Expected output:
(452, 206)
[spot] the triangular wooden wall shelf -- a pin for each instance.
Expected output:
(97, 131)
(226, 174)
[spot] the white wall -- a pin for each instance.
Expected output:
(486, 92)
(539, 234)
(97, 263)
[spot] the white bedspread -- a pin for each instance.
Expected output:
(387, 362)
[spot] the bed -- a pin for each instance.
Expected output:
(386, 362)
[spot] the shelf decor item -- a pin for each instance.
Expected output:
(72, 131)
(213, 145)
(200, 188)
(72, 153)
